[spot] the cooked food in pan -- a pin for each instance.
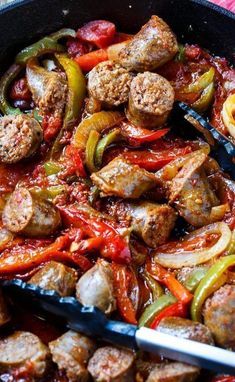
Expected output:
(107, 196)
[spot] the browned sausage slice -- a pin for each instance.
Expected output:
(24, 349)
(153, 222)
(184, 328)
(56, 276)
(150, 48)
(95, 287)
(123, 179)
(219, 316)
(174, 372)
(109, 83)
(71, 353)
(20, 137)
(150, 101)
(29, 215)
(110, 364)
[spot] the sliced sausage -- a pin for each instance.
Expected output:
(20, 137)
(152, 222)
(151, 99)
(150, 48)
(110, 364)
(30, 215)
(24, 350)
(56, 276)
(49, 89)
(184, 328)
(174, 372)
(95, 287)
(193, 197)
(219, 316)
(71, 353)
(4, 313)
(109, 83)
(123, 179)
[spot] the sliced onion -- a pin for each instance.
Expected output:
(228, 113)
(192, 258)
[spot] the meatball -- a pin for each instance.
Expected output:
(56, 276)
(110, 364)
(219, 316)
(153, 222)
(109, 83)
(95, 287)
(24, 350)
(29, 215)
(174, 372)
(150, 101)
(71, 353)
(49, 89)
(150, 48)
(181, 327)
(4, 313)
(20, 137)
(123, 179)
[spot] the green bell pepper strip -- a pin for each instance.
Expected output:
(104, 143)
(91, 145)
(45, 45)
(62, 33)
(203, 103)
(154, 309)
(5, 82)
(48, 193)
(202, 82)
(193, 280)
(76, 96)
(214, 277)
(52, 168)
(37, 116)
(154, 285)
(180, 57)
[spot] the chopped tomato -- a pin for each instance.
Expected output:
(192, 52)
(76, 47)
(121, 284)
(98, 32)
(51, 126)
(73, 162)
(175, 310)
(20, 90)
(90, 60)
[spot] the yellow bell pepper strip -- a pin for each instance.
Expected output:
(204, 102)
(104, 143)
(214, 277)
(43, 46)
(97, 121)
(52, 168)
(5, 82)
(62, 33)
(201, 83)
(91, 145)
(228, 114)
(76, 95)
(155, 308)
(154, 285)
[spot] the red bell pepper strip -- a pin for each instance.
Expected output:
(166, 278)
(90, 60)
(124, 304)
(138, 135)
(97, 32)
(113, 247)
(51, 126)
(224, 378)
(88, 245)
(175, 310)
(81, 261)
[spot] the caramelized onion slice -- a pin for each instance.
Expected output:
(190, 258)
